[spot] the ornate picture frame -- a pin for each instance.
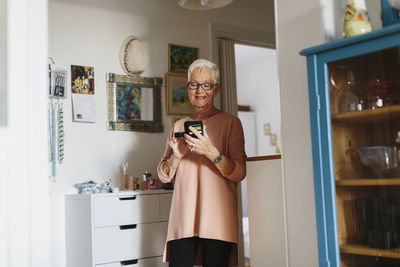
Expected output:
(123, 117)
(180, 57)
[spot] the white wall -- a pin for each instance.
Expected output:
(298, 25)
(90, 32)
(267, 222)
(24, 209)
(3, 95)
(257, 86)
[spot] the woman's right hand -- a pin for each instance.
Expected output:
(178, 147)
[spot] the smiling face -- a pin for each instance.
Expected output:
(200, 98)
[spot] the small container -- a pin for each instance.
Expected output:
(153, 183)
(135, 183)
(103, 189)
(146, 175)
(126, 177)
(86, 188)
(129, 184)
(144, 185)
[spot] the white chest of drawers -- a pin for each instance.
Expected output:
(119, 229)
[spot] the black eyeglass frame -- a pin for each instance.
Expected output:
(201, 85)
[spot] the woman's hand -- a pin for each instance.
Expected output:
(202, 145)
(178, 147)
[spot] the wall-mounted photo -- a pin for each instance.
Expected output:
(180, 57)
(267, 128)
(273, 139)
(58, 83)
(82, 80)
(82, 87)
(176, 95)
(134, 103)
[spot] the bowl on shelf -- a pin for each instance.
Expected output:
(383, 160)
(86, 187)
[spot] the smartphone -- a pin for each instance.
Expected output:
(198, 125)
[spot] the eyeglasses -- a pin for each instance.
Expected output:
(205, 86)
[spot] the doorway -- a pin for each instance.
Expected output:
(249, 78)
(258, 102)
(258, 98)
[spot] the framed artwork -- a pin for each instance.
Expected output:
(82, 80)
(176, 96)
(180, 57)
(267, 128)
(273, 140)
(82, 88)
(58, 83)
(134, 103)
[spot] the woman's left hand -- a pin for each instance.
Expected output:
(202, 144)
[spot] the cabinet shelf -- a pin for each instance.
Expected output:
(359, 60)
(368, 251)
(368, 115)
(369, 182)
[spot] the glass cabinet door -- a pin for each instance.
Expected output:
(365, 117)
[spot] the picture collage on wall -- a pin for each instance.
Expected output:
(177, 99)
(82, 95)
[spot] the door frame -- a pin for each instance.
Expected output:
(246, 36)
(253, 37)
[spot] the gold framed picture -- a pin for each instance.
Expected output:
(267, 128)
(134, 103)
(176, 95)
(273, 139)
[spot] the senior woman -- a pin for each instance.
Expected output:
(203, 222)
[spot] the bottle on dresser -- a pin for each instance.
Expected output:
(146, 179)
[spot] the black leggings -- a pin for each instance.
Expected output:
(215, 253)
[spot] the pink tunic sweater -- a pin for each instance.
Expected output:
(204, 203)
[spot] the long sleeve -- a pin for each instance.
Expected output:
(167, 154)
(236, 151)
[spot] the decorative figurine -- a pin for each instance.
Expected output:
(356, 19)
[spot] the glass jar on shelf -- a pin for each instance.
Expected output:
(345, 100)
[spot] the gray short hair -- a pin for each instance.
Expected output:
(204, 63)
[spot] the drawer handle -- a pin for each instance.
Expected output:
(126, 227)
(129, 262)
(128, 198)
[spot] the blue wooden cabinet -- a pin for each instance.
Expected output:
(354, 96)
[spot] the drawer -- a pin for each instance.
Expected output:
(122, 210)
(149, 262)
(165, 206)
(114, 244)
